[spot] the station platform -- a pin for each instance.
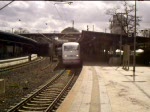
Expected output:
(102, 88)
(15, 61)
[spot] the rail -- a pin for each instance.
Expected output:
(44, 92)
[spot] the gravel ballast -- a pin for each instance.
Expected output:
(20, 82)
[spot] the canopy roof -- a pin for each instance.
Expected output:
(5, 36)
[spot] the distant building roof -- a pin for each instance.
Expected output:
(70, 30)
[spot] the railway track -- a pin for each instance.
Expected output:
(49, 96)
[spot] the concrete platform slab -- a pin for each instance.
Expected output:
(107, 89)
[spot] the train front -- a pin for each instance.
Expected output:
(71, 54)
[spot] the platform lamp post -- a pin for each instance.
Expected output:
(134, 55)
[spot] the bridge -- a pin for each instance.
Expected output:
(94, 45)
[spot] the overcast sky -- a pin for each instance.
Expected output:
(44, 16)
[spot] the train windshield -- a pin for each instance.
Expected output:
(71, 48)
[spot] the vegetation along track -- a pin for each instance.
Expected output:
(49, 96)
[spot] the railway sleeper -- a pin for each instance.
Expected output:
(55, 86)
(29, 108)
(50, 94)
(41, 102)
(53, 110)
(21, 110)
(44, 97)
(58, 103)
(51, 90)
(41, 99)
(55, 95)
(55, 107)
(46, 94)
(62, 98)
(37, 105)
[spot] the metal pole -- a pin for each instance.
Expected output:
(121, 38)
(93, 27)
(134, 56)
(72, 23)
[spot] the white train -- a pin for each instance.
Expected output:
(71, 54)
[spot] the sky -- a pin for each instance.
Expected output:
(52, 16)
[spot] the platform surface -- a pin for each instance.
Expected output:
(109, 89)
(15, 61)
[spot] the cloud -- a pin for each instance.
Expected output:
(144, 11)
(34, 15)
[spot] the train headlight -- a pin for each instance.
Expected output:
(77, 55)
(65, 55)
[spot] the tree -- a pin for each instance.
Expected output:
(21, 31)
(126, 24)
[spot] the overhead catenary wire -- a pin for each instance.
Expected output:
(6, 5)
(45, 37)
(59, 14)
(64, 14)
